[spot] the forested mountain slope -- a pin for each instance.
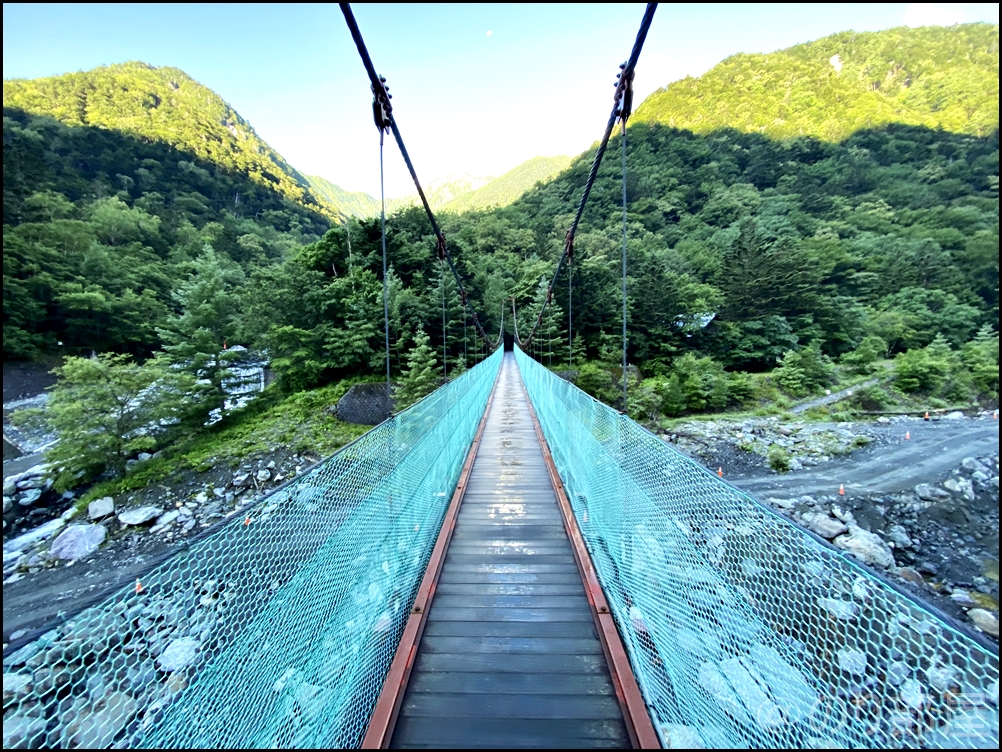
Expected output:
(162, 105)
(507, 188)
(933, 76)
(890, 234)
(351, 203)
(114, 182)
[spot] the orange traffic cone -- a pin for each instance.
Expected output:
(247, 522)
(720, 472)
(908, 435)
(926, 415)
(139, 587)
(841, 489)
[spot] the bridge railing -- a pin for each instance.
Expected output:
(743, 629)
(275, 631)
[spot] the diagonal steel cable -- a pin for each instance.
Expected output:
(382, 99)
(622, 105)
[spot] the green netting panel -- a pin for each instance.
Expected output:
(276, 633)
(743, 629)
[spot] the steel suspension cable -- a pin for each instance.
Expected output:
(382, 231)
(445, 336)
(624, 265)
(384, 114)
(621, 109)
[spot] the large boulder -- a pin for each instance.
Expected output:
(139, 515)
(78, 541)
(869, 548)
(929, 492)
(824, 525)
(32, 537)
(180, 654)
(101, 508)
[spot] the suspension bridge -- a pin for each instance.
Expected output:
(506, 563)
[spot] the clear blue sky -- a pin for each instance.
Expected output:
(539, 84)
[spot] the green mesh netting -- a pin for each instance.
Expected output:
(276, 633)
(744, 630)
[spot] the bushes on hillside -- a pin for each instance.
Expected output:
(937, 370)
(863, 359)
(804, 371)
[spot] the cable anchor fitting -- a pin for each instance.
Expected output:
(381, 107)
(624, 93)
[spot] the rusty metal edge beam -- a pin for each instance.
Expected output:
(384, 716)
(631, 700)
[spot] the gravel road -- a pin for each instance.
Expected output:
(893, 465)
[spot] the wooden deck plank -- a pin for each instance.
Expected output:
(510, 655)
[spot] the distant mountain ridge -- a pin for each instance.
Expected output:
(165, 104)
(932, 76)
(452, 193)
(505, 189)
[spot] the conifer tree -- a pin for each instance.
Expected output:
(421, 376)
(196, 339)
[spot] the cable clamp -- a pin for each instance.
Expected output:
(624, 93)
(381, 107)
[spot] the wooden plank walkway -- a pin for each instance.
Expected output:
(510, 656)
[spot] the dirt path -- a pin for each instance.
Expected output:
(935, 448)
(841, 394)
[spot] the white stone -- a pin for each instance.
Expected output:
(140, 515)
(897, 672)
(792, 693)
(15, 684)
(678, 736)
(912, 694)
(974, 466)
(8, 503)
(180, 654)
(867, 547)
(929, 492)
(98, 729)
(824, 525)
(34, 482)
(263, 475)
(853, 661)
(165, 519)
(941, 677)
(23, 732)
(30, 497)
(78, 541)
(963, 598)
(955, 415)
(31, 537)
(840, 609)
(101, 508)
(985, 620)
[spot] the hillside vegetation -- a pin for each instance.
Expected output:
(163, 105)
(507, 188)
(933, 76)
(756, 263)
(114, 182)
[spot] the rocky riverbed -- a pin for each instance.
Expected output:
(940, 541)
(931, 527)
(59, 554)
